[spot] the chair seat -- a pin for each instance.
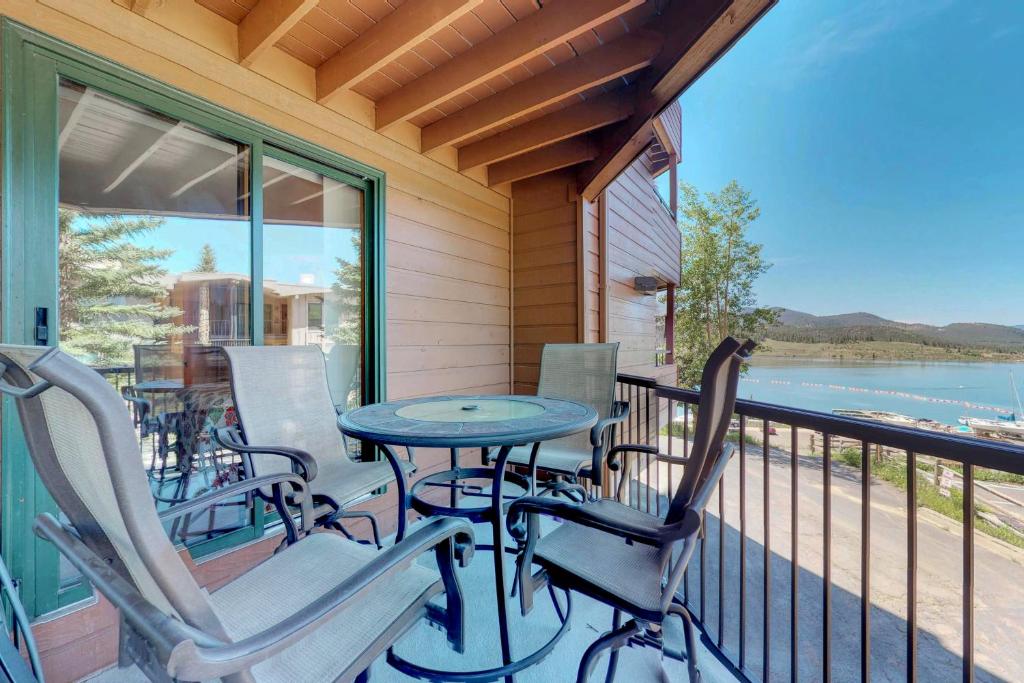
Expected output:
(300, 575)
(553, 457)
(631, 572)
(345, 482)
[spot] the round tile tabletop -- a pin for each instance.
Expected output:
(467, 421)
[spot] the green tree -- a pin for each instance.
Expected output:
(207, 260)
(347, 295)
(720, 265)
(110, 292)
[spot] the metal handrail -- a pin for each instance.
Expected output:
(651, 402)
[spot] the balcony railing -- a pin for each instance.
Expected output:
(778, 595)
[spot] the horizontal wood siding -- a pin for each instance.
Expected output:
(544, 273)
(591, 255)
(448, 246)
(642, 240)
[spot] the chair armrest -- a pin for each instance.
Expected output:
(202, 662)
(620, 411)
(165, 633)
(302, 461)
(589, 516)
(299, 495)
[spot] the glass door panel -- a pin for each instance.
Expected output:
(154, 269)
(313, 270)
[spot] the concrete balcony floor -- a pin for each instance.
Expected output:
(426, 645)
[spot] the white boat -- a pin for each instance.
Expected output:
(1012, 427)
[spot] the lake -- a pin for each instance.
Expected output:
(940, 391)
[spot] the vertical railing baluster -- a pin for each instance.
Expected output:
(826, 551)
(686, 430)
(703, 565)
(766, 500)
(865, 562)
(743, 542)
(794, 566)
(657, 443)
(721, 562)
(968, 625)
(912, 566)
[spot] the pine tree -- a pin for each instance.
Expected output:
(110, 294)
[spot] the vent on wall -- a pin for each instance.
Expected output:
(645, 285)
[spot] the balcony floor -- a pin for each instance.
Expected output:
(590, 619)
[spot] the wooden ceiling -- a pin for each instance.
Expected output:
(520, 87)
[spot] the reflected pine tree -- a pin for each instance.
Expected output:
(110, 294)
(347, 292)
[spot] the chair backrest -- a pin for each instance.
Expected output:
(283, 399)
(718, 384)
(86, 451)
(585, 373)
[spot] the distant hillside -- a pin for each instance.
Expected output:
(798, 327)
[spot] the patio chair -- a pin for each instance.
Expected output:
(324, 608)
(625, 558)
(288, 422)
(586, 373)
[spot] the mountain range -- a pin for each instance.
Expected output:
(796, 326)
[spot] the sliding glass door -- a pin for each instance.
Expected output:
(144, 230)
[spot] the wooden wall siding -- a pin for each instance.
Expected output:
(641, 240)
(544, 275)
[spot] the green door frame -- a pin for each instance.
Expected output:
(32, 65)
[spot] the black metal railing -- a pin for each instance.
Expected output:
(825, 454)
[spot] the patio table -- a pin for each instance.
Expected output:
(484, 422)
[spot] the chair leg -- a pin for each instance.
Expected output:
(680, 611)
(613, 658)
(613, 639)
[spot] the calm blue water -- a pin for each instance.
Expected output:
(926, 390)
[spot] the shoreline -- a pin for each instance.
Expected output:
(881, 351)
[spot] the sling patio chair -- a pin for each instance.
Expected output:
(288, 422)
(626, 558)
(586, 373)
(322, 609)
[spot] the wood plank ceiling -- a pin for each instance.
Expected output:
(519, 86)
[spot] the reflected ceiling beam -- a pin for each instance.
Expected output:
(559, 155)
(81, 107)
(390, 37)
(612, 60)
(697, 33)
(558, 22)
(266, 23)
(584, 117)
(134, 155)
(212, 172)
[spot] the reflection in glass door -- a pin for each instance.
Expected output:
(313, 269)
(134, 223)
(154, 270)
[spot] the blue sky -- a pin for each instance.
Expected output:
(884, 141)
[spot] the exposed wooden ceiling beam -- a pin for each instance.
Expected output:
(566, 123)
(556, 23)
(559, 155)
(696, 33)
(141, 7)
(380, 44)
(625, 55)
(266, 23)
